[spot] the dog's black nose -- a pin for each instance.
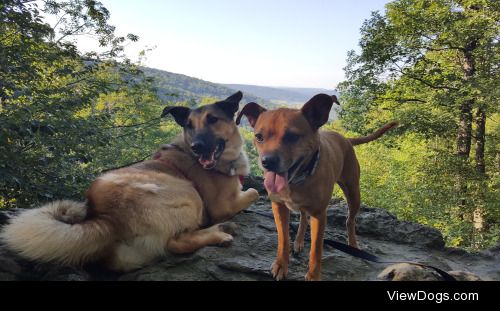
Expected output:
(270, 162)
(198, 147)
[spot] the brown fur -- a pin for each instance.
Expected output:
(337, 164)
(133, 215)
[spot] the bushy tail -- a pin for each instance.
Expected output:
(57, 232)
(374, 135)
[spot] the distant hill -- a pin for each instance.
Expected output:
(288, 96)
(179, 87)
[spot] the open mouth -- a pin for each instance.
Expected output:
(276, 182)
(209, 161)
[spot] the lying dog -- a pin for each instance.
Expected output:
(133, 215)
(301, 164)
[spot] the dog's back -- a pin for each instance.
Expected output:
(135, 214)
(138, 201)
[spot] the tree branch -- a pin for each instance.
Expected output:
(439, 87)
(132, 125)
(70, 33)
(133, 132)
(399, 99)
(60, 19)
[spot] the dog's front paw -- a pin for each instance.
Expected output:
(298, 246)
(312, 276)
(279, 269)
(253, 194)
(224, 239)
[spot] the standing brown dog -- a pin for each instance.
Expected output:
(301, 164)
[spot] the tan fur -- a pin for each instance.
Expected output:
(135, 214)
(337, 164)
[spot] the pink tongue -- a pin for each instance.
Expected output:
(206, 163)
(274, 183)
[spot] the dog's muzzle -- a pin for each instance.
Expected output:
(208, 157)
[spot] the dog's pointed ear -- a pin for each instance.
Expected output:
(179, 113)
(252, 111)
(335, 100)
(317, 109)
(231, 104)
(235, 98)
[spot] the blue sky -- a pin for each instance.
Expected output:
(301, 43)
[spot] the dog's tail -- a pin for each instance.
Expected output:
(374, 135)
(57, 232)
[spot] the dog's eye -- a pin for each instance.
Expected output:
(290, 137)
(211, 119)
(259, 138)
(189, 125)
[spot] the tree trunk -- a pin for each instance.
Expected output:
(464, 137)
(464, 134)
(480, 140)
(479, 221)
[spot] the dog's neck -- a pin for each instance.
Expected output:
(305, 170)
(238, 166)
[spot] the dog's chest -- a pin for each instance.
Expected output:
(293, 206)
(289, 202)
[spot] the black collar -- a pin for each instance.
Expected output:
(310, 168)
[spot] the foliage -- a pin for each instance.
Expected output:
(432, 65)
(249, 148)
(66, 116)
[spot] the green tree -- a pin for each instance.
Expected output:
(65, 116)
(433, 65)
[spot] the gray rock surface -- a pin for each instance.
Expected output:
(254, 247)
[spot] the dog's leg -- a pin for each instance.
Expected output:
(226, 210)
(189, 242)
(298, 244)
(354, 202)
(244, 200)
(279, 269)
(318, 223)
(352, 193)
(349, 182)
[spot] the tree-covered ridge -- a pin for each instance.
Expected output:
(179, 87)
(291, 96)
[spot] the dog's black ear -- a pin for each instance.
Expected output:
(180, 114)
(231, 104)
(335, 100)
(252, 111)
(317, 109)
(235, 98)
